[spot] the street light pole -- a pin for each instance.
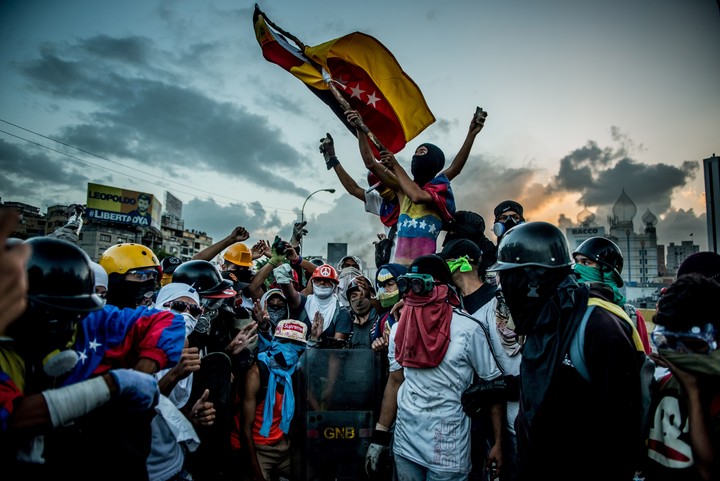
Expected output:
(302, 211)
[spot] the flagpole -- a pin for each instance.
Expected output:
(328, 81)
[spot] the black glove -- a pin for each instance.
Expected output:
(377, 458)
(482, 394)
(327, 148)
(299, 231)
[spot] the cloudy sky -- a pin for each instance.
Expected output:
(585, 99)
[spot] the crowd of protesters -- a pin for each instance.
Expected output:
(133, 367)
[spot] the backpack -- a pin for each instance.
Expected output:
(645, 364)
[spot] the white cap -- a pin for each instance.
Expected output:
(174, 290)
(101, 276)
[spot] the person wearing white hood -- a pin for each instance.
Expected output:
(101, 279)
(173, 429)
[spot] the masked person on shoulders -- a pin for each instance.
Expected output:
(594, 423)
(599, 260)
(427, 202)
(435, 350)
(91, 363)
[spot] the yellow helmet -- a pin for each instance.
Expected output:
(121, 258)
(239, 254)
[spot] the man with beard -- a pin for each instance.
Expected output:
(427, 202)
(568, 427)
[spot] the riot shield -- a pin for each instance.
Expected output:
(337, 406)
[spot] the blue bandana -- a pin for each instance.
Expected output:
(291, 352)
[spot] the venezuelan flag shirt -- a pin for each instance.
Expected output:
(419, 225)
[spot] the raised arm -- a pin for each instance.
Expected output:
(327, 148)
(239, 234)
(385, 176)
(476, 125)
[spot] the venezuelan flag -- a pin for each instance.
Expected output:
(364, 71)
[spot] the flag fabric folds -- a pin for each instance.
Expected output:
(364, 71)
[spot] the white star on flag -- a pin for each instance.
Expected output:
(372, 99)
(82, 357)
(94, 344)
(356, 91)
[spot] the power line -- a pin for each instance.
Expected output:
(210, 194)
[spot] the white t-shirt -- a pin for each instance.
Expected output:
(431, 428)
(509, 364)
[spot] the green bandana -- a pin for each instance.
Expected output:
(593, 274)
(707, 364)
(462, 263)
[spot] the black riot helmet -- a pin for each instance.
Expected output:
(606, 253)
(205, 277)
(60, 276)
(538, 243)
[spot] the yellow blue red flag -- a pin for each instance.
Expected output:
(363, 70)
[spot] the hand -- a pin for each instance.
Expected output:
(353, 118)
(260, 249)
(317, 326)
(327, 148)
(189, 363)
(381, 236)
(243, 339)
(388, 160)
(261, 316)
(239, 234)
(278, 246)
(299, 231)
(203, 411)
(139, 389)
(377, 458)
(397, 308)
(380, 344)
(478, 121)
(13, 278)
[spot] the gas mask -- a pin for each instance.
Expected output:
(500, 228)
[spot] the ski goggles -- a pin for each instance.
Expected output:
(697, 340)
(182, 306)
(421, 284)
(141, 275)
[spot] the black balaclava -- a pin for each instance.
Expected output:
(424, 168)
(527, 290)
(122, 293)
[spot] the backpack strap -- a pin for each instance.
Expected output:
(620, 312)
(577, 345)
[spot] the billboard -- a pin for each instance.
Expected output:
(173, 206)
(112, 204)
(578, 235)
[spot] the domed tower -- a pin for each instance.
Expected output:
(624, 212)
(650, 221)
(586, 218)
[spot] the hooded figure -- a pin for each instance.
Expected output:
(426, 166)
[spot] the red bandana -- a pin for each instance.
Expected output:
(423, 334)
